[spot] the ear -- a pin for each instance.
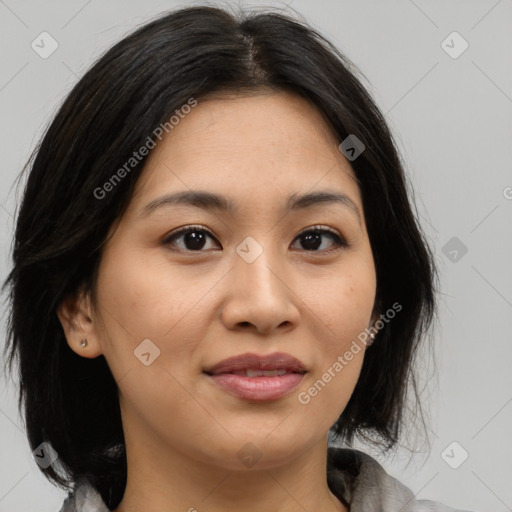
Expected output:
(375, 317)
(76, 317)
(376, 312)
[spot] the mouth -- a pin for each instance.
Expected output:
(252, 363)
(258, 378)
(255, 372)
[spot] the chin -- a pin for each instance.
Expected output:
(259, 451)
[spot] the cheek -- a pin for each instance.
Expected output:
(343, 305)
(144, 296)
(134, 306)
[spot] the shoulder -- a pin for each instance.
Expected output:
(357, 478)
(84, 498)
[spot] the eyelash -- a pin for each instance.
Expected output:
(339, 242)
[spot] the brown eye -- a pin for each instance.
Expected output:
(193, 238)
(314, 238)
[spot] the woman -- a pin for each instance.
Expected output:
(216, 266)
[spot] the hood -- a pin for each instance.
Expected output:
(359, 481)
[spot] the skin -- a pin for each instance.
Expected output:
(182, 432)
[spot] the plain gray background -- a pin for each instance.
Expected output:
(451, 116)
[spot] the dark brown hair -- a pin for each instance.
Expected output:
(72, 402)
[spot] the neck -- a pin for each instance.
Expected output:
(168, 480)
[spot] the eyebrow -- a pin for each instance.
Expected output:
(210, 201)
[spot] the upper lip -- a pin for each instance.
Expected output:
(265, 362)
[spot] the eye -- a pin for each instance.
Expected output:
(312, 239)
(193, 238)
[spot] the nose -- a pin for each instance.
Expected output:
(260, 295)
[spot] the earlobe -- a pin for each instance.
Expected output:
(372, 328)
(75, 316)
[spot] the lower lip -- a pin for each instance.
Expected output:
(258, 388)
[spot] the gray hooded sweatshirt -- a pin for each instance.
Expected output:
(354, 477)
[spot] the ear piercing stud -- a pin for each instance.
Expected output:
(83, 343)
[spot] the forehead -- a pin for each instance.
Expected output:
(261, 143)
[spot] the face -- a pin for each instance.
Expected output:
(259, 277)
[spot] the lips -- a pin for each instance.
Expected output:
(254, 365)
(258, 377)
